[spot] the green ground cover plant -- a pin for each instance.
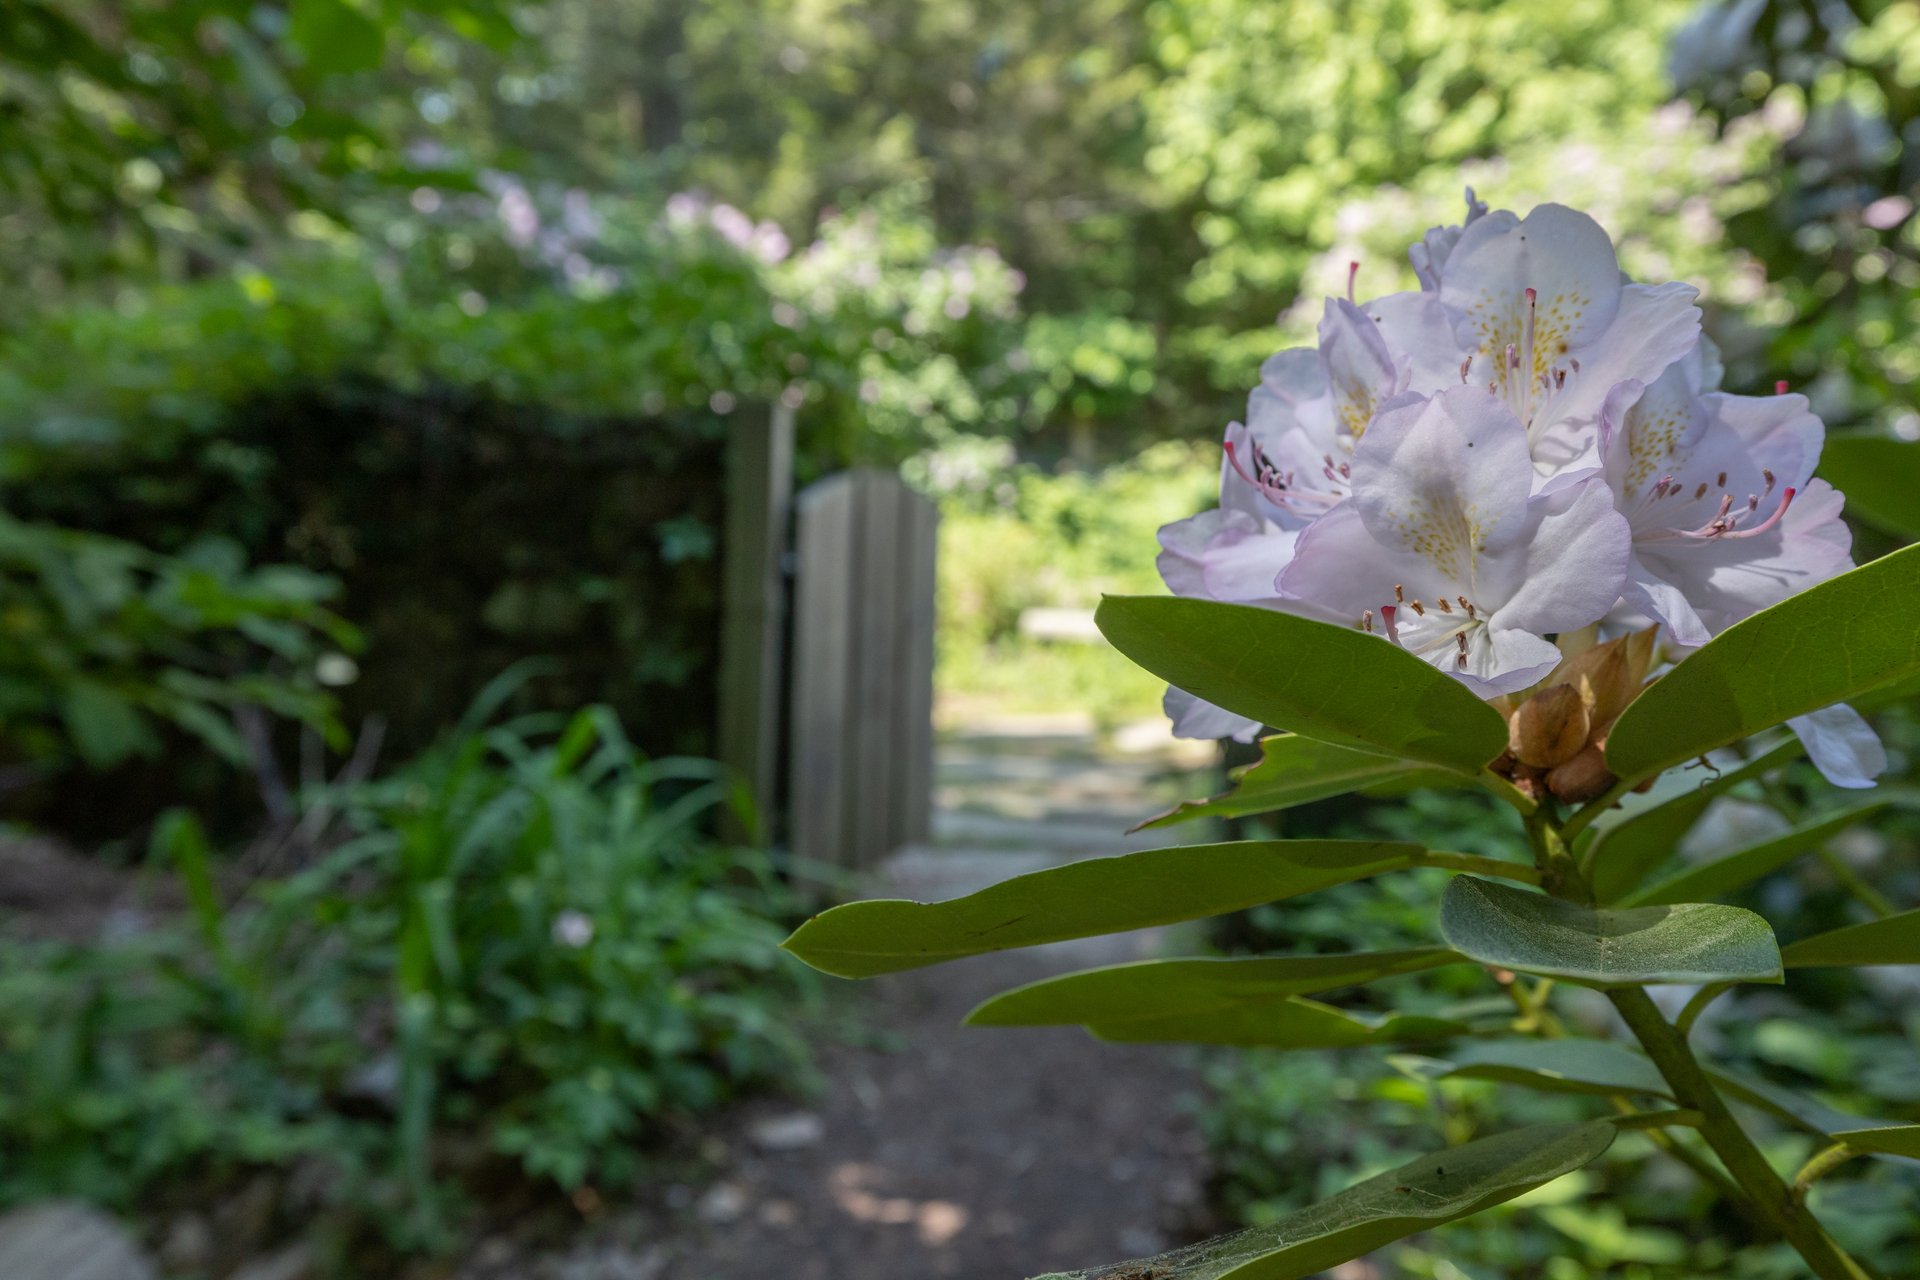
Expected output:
(519, 956)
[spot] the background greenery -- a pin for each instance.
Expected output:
(286, 288)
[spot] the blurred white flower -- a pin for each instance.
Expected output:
(572, 929)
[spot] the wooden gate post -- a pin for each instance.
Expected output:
(863, 669)
(759, 501)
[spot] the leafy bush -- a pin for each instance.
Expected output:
(572, 959)
(106, 643)
(523, 954)
(1271, 1115)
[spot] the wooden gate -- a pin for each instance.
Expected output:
(862, 674)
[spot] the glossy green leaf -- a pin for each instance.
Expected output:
(1295, 770)
(1825, 645)
(1879, 477)
(1722, 876)
(1111, 998)
(1627, 849)
(1518, 929)
(1800, 1110)
(1335, 684)
(1559, 1066)
(1894, 940)
(1082, 899)
(1418, 1196)
(1890, 1140)
(1289, 1023)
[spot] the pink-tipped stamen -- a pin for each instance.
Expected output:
(1274, 485)
(1725, 526)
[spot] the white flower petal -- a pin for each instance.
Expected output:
(1842, 745)
(1563, 256)
(1446, 478)
(1417, 331)
(1193, 718)
(1574, 553)
(1360, 372)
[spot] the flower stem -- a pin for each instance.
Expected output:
(1824, 1161)
(1723, 1133)
(1666, 1046)
(1698, 1005)
(1863, 893)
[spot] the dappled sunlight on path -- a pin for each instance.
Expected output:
(963, 1152)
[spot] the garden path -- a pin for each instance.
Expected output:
(947, 1151)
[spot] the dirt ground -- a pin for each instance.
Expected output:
(970, 1153)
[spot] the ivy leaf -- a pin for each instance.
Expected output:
(1511, 928)
(1334, 684)
(1894, 940)
(1293, 770)
(1116, 997)
(1082, 899)
(1418, 1196)
(1825, 645)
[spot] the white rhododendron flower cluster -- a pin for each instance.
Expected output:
(1528, 448)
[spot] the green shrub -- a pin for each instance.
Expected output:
(525, 953)
(104, 645)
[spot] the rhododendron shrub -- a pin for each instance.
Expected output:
(1505, 532)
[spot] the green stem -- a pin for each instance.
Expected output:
(1494, 784)
(1560, 873)
(1702, 1166)
(1479, 865)
(1583, 817)
(1824, 1162)
(1691, 1088)
(1868, 896)
(1666, 1046)
(1698, 1005)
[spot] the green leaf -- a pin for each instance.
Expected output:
(1418, 1196)
(1827, 644)
(1879, 477)
(106, 728)
(1290, 1023)
(1335, 684)
(1894, 940)
(1295, 770)
(1559, 1066)
(1796, 1109)
(1082, 899)
(1627, 849)
(1723, 875)
(1112, 998)
(1511, 928)
(336, 36)
(1888, 1140)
